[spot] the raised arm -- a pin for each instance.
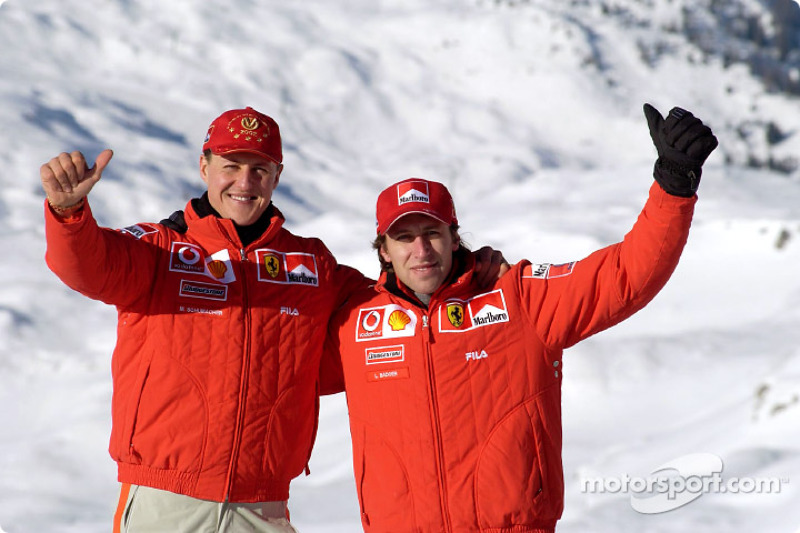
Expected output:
(571, 302)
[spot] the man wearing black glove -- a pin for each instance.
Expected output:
(683, 143)
(454, 390)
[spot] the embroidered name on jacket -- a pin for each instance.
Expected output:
(190, 258)
(294, 268)
(387, 322)
(488, 309)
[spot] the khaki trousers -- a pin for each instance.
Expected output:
(148, 510)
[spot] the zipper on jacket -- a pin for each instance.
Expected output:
(427, 340)
(237, 435)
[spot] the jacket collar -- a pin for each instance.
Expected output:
(207, 223)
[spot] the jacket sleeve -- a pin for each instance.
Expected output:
(100, 263)
(573, 301)
(348, 281)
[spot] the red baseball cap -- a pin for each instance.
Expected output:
(244, 130)
(414, 195)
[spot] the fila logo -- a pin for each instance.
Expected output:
(291, 311)
(413, 191)
(475, 356)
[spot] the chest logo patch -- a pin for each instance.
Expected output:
(191, 258)
(386, 354)
(293, 268)
(455, 314)
(483, 310)
(387, 322)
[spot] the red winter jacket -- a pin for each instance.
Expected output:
(455, 409)
(218, 348)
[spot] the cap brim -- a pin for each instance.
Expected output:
(245, 151)
(405, 214)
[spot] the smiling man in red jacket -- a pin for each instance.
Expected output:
(454, 391)
(220, 333)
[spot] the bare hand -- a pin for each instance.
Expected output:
(490, 265)
(67, 179)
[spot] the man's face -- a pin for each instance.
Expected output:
(420, 249)
(240, 185)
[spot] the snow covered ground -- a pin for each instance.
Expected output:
(529, 111)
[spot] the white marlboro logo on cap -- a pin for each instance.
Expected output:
(413, 191)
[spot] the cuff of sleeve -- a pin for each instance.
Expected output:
(671, 202)
(68, 214)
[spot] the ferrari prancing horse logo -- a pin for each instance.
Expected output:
(455, 313)
(272, 265)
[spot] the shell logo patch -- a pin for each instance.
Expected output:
(483, 310)
(398, 320)
(387, 322)
(294, 268)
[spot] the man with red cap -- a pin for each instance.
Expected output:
(453, 390)
(216, 366)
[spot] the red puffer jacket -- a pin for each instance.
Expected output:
(455, 409)
(216, 366)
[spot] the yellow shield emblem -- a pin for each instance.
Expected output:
(272, 265)
(455, 313)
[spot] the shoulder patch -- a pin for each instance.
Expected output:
(138, 230)
(548, 270)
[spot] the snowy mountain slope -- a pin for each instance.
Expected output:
(529, 110)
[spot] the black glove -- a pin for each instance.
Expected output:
(683, 143)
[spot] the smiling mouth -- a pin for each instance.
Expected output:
(241, 198)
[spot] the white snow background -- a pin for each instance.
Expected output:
(530, 111)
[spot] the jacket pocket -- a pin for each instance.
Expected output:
(168, 427)
(519, 479)
(384, 491)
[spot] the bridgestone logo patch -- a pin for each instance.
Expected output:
(387, 354)
(206, 291)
